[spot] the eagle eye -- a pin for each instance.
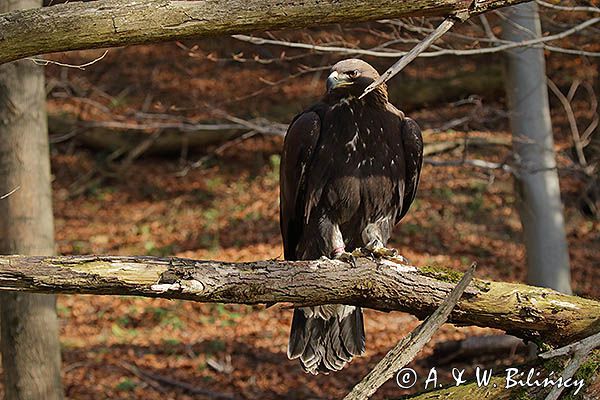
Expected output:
(353, 74)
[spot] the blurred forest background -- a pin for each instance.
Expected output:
(136, 171)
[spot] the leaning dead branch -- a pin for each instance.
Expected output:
(414, 52)
(407, 349)
(588, 344)
(525, 311)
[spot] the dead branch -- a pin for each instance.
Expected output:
(588, 344)
(407, 348)
(499, 45)
(444, 27)
(125, 137)
(525, 311)
(110, 23)
(9, 193)
(566, 103)
(44, 62)
(579, 352)
(165, 380)
(568, 8)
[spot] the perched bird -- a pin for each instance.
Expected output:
(349, 172)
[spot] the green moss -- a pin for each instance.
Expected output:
(542, 346)
(521, 394)
(441, 273)
(554, 364)
(484, 286)
(586, 372)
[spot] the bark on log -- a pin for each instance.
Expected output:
(525, 311)
(110, 23)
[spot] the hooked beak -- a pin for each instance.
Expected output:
(334, 81)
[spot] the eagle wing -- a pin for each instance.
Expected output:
(412, 141)
(298, 150)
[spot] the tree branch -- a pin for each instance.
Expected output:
(497, 47)
(525, 311)
(110, 23)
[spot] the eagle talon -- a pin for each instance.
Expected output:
(346, 257)
(376, 250)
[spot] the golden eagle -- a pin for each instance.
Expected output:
(349, 172)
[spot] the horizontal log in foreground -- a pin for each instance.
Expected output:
(110, 23)
(526, 311)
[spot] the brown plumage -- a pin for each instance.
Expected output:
(349, 172)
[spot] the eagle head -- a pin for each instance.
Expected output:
(349, 78)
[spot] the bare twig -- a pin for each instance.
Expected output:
(316, 47)
(408, 348)
(136, 371)
(183, 125)
(487, 28)
(9, 193)
(472, 162)
(165, 380)
(503, 45)
(587, 133)
(44, 62)
(138, 150)
(568, 8)
(572, 121)
(219, 150)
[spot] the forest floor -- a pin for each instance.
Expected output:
(228, 210)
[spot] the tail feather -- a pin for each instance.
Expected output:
(325, 338)
(354, 337)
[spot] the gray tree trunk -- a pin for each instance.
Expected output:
(538, 192)
(29, 328)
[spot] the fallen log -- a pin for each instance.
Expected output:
(525, 311)
(126, 137)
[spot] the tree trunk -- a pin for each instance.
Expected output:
(110, 23)
(537, 186)
(29, 328)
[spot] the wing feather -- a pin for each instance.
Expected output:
(412, 141)
(298, 150)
